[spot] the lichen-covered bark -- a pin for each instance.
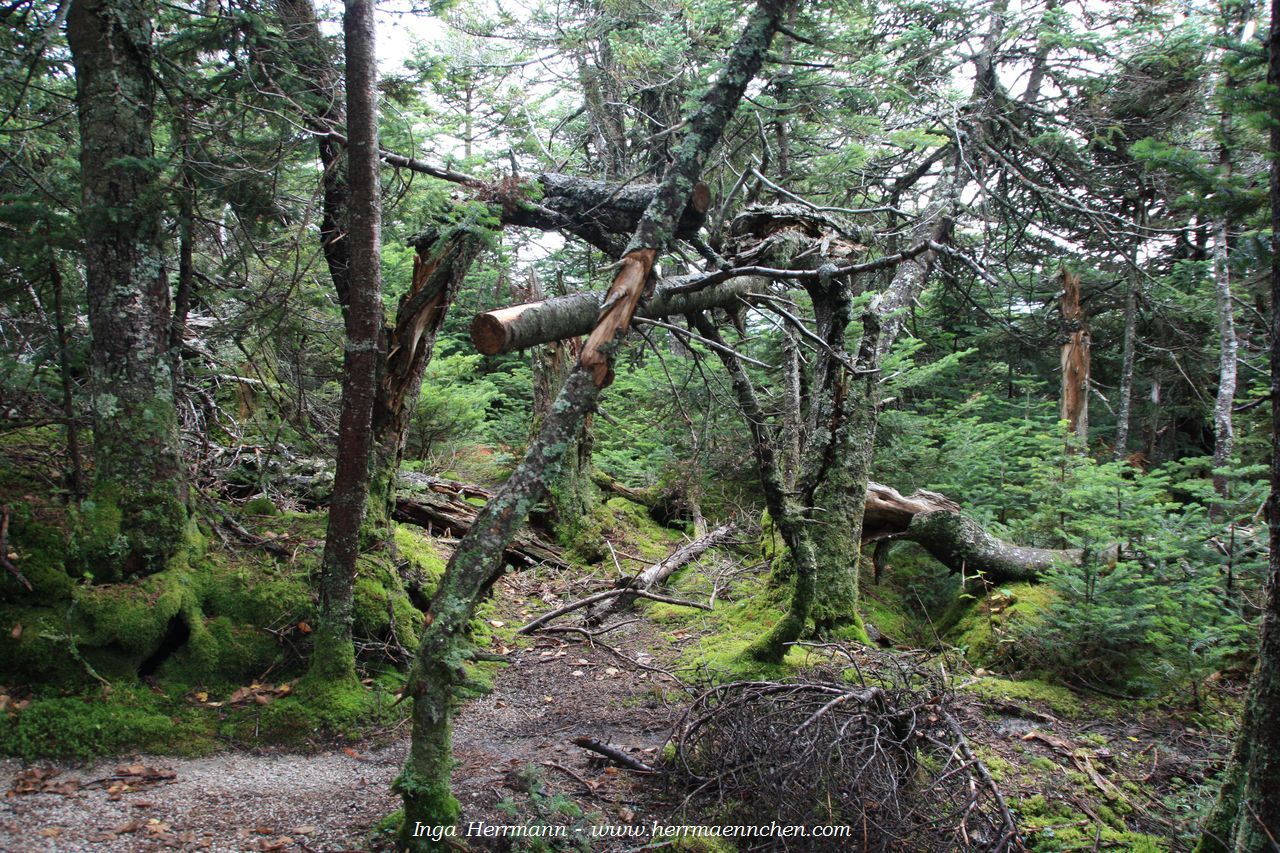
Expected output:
(572, 494)
(333, 655)
(474, 567)
(136, 517)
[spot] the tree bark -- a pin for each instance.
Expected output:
(333, 655)
(139, 494)
(527, 325)
(475, 564)
(572, 494)
(1124, 410)
(1224, 435)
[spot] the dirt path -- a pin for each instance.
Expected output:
(554, 691)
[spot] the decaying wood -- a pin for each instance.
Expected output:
(616, 208)
(522, 326)
(441, 506)
(613, 754)
(663, 569)
(936, 523)
(1075, 358)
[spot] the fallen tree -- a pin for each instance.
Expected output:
(517, 327)
(441, 507)
(936, 523)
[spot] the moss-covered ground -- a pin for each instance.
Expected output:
(211, 653)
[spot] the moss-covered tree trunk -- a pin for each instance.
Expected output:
(477, 562)
(136, 518)
(333, 655)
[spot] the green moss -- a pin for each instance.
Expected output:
(984, 628)
(261, 505)
(1051, 825)
(627, 525)
(132, 719)
(1058, 699)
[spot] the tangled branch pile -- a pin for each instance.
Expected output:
(872, 747)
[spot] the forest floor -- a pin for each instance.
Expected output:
(553, 691)
(1080, 772)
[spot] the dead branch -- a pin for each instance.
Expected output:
(613, 754)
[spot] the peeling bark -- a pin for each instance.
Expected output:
(1074, 359)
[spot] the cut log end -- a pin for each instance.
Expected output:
(488, 334)
(700, 200)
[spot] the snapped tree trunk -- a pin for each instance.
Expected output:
(476, 563)
(1074, 359)
(333, 653)
(139, 493)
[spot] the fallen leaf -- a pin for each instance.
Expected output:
(352, 753)
(16, 633)
(304, 627)
(52, 831)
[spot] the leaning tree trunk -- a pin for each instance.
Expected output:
(1246, 818)
(476, 563)
(139, 493)
(333, 653)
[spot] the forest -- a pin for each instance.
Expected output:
(545, 425)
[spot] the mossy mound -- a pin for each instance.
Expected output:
(624, 523)
(987, 627)
(217, 618)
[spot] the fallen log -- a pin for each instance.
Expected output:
(517, 327)
(441, 507)
(663, 569)
(937, 524)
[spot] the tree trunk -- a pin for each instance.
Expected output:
(519, 327)
(1124, 412)
(1075, 359)
(476, 562)
(1223, 429)
(333, 655)
(1246, 818)
(572, 494)
(139, 494)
